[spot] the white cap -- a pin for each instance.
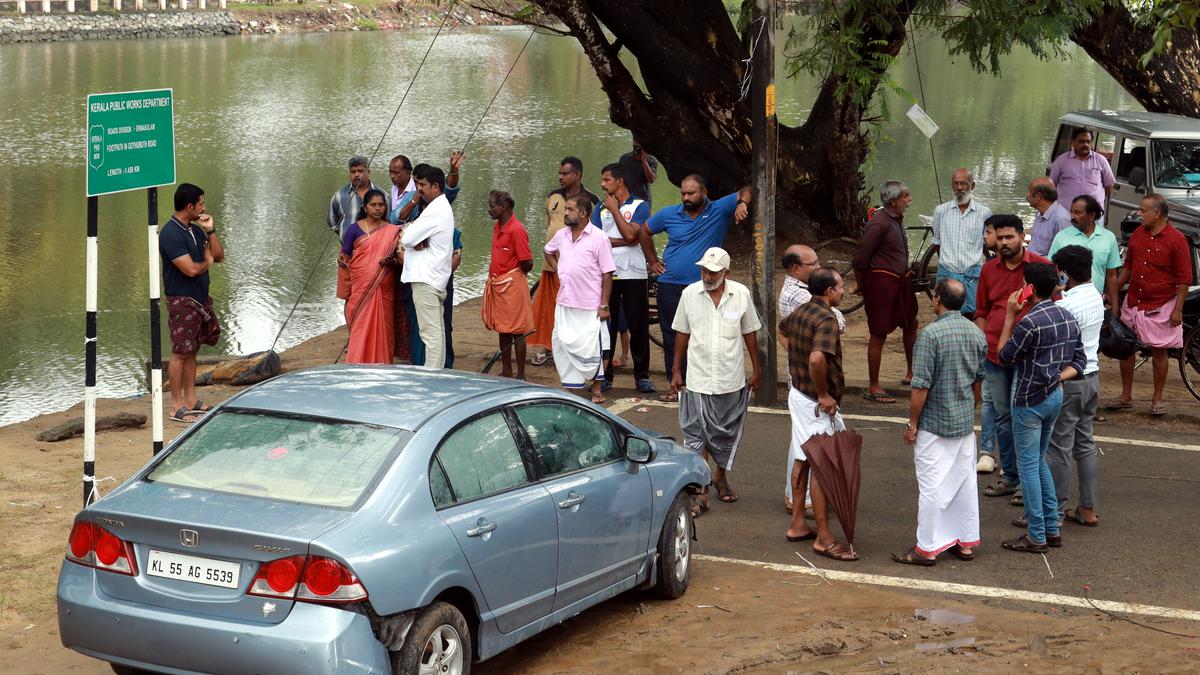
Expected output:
(715, 260)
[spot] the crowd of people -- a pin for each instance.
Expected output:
(1016, 333)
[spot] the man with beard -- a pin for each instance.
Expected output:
(345, 203)
(882, 269)
(583, 257)
(715, 325)
(693, 226)
(428, 251)
(958, 236)
(570, 181)
(1001, 277)
(816, 386)
(1052, 217)
(1081, 171)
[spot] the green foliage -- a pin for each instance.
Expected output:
(364, 23)
(1167, 16)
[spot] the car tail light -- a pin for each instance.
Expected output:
(95, 546)
(307, 578)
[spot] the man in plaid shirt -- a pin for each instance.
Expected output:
(1045, 349)
(947, 371)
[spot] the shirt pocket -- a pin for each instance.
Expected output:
(730, 329)
(1092, 176)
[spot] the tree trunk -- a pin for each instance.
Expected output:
(1170, 83)
(691, 117)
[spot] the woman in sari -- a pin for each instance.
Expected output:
(369, 254)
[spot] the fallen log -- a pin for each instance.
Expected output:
(74, 427)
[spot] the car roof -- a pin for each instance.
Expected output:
(1136, 123)
(390, 396)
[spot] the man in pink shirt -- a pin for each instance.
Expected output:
(583, 257)
(1081, 171)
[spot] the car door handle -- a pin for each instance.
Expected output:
(573, 499)
(481, 528)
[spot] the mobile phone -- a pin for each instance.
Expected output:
(1026, 294)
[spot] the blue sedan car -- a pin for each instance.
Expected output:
(374, 520)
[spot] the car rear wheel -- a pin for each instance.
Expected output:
(675, 550)
(439, 643)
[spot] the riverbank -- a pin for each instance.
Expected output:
(243, 18)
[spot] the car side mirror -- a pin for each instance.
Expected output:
(638, 450)
(1140, 189)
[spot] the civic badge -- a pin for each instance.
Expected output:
(189, 538)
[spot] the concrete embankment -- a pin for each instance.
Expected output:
(57, 27)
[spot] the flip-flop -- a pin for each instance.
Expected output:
(698, 508)
(201, 407)
(724, 493)
(999, 489)
(1017, 499)
(1074, 516)
(911, 557)
(804, 537)
(669, 398)
(1158, 409)
(833, 553)
(1023, 544)
(1118, 404)
(957, 552)
(877, 397)
(599, 400)
(185, 416)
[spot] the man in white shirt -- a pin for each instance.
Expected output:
(1072, 435)
(428, 249)
(958, 236)
(715, 320)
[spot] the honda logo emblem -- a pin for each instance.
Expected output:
(189, 538)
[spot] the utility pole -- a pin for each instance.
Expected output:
(764, 138)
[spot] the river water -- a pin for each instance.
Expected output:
(265, 124)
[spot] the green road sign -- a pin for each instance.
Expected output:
(130, 141)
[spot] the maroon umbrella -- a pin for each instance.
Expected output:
(835, 465)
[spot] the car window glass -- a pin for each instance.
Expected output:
(1130, 166)
(438, 487)
(482, 458)
(567, 437)
(1176, 164)
(320, 462)
(1063, 142)
(1105, 144)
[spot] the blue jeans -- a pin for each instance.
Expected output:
(970, 279)
(668, 303)
(999, 380)
(1032, 428)
(987, 422)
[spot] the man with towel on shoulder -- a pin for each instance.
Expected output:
(582, 255)
(507, 308)
(715, 320)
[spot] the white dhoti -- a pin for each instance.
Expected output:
(807, 421)
(948, 506)
(579, 340)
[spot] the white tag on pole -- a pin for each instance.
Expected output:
(923, 121)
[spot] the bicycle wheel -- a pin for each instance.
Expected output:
(1189, 361)
(927, 272)
(836, 253)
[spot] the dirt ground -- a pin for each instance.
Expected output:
(766, 621)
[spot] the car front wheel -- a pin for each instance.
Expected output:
(439, 643)
(675, 550)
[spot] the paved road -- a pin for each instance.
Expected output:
(1141, 553)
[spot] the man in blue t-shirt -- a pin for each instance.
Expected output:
(189, 246)
(692, 228)
(622, 217)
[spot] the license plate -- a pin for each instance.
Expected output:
(194, 569)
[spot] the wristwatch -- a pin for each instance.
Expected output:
(604, 307)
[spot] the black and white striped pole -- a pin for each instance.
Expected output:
(156, 393)
(89, 355)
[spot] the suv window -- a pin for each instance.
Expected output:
(1176, 164)
(567, 437)
(1130, 164)
(479, 458)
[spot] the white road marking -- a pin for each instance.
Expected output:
(966, 589)
(627, 404)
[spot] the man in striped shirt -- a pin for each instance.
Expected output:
(958, 236)
(1072, 435)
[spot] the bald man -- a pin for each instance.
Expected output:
(958, 236)
(798, 262)
(1051, 217)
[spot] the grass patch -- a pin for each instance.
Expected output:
(364, 23)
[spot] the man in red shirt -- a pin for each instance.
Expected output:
(507, 308)
(998, 279)
(1158, 269)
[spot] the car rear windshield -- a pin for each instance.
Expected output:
(307, 461)
(1176, 164)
